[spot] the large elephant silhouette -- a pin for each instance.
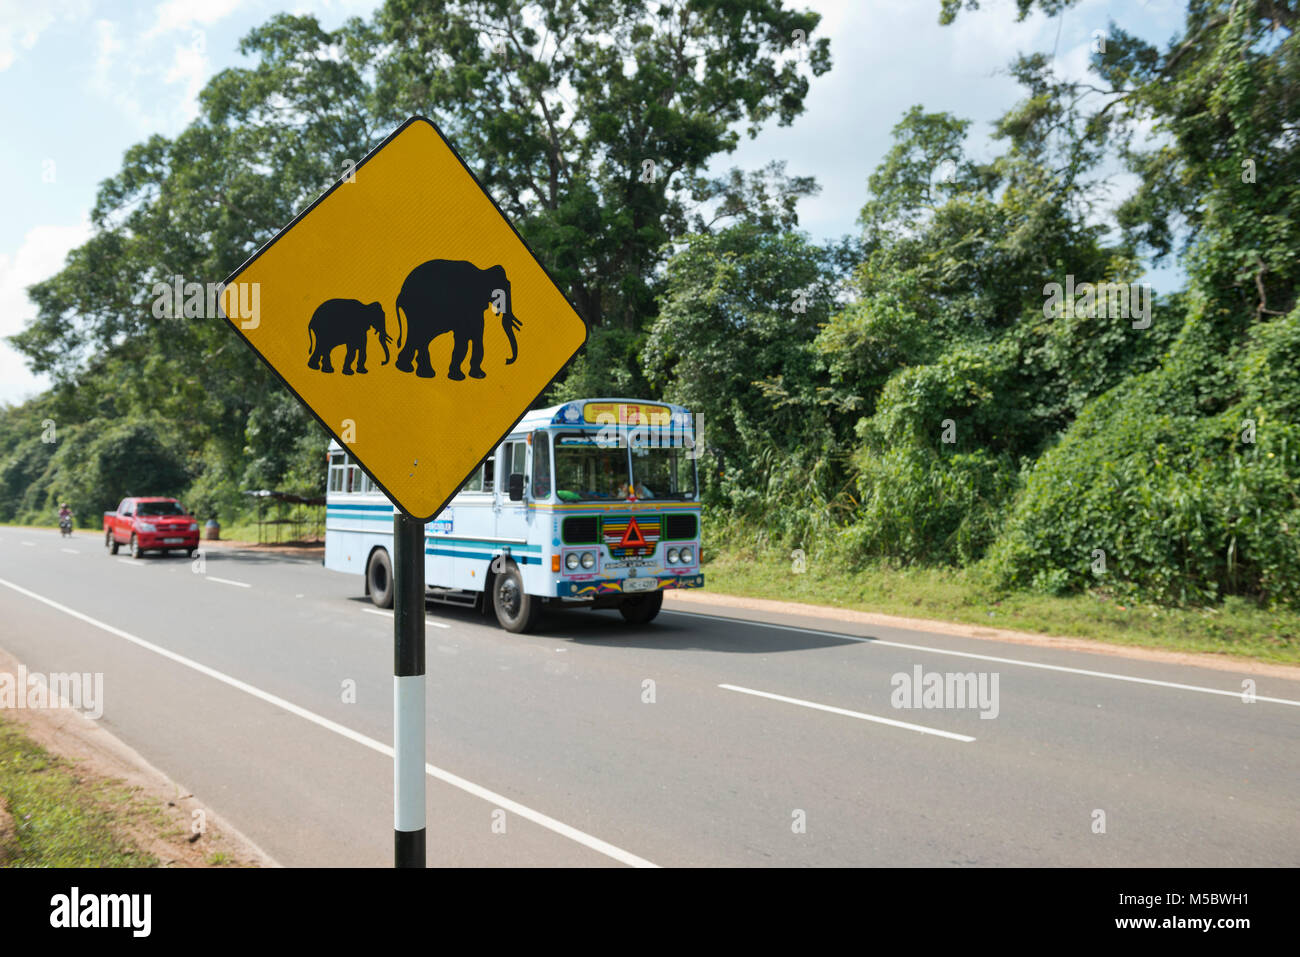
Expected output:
(450, 295)
(344, 322)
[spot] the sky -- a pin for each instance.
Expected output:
(83, 80)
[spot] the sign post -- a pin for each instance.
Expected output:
(407, 249)
(408, 692)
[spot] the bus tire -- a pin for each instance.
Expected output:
(641, 609)
(517, 611)
(379, 578)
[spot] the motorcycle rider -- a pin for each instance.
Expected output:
(65, 515)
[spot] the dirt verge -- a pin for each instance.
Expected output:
(172, 814)
(310, 549)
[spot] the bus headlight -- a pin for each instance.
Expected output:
(588, 559)
(571, 561)
(672, 556)
(686, 556)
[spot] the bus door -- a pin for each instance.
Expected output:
(512, 517)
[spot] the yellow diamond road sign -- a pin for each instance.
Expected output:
(405, 311)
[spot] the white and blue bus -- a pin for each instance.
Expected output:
(591, 503)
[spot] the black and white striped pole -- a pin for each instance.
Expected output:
(408, 691)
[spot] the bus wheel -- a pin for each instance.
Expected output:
(517, 611)
(641, 609)
(379, 578)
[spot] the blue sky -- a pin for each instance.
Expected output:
(81, 81)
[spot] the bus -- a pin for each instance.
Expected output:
(593, 503)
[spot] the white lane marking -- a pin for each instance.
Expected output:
(70, 551)
(227, 581)
(133, 562)
(497, 800)
(28, 544)
(389, 614)
(850, 714)
(1004, 661)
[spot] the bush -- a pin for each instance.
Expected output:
(1187, 478)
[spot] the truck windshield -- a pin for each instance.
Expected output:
(586, 470)
(159, 508)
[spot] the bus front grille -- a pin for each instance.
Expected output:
(581, 530)
(679, 526)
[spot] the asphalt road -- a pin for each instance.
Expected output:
(594, 743)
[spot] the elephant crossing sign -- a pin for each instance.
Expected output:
(404, 310)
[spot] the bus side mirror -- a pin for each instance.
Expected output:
(516, 486)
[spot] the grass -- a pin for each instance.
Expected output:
(247, 532)
(59, 818)
(1235, 628)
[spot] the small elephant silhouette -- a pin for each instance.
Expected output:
(344, 322)
(450, 295)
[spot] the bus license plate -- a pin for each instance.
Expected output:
(173, 541)
(640, 584)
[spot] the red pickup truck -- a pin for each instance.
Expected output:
(143, 524)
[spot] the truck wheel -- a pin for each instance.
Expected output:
(641, 609)
(110, 542)
(134, 547)
(379, 578)
(517, 611)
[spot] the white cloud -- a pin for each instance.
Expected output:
(108, 45)
(40, 256)
(22, 22)
(189, 66)
(887, 57)
(188, 14)
(115, 80)
(1075, 65)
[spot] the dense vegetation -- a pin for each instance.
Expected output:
(899, 396)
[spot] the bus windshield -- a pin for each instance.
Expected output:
(586, 470)
(665, 472)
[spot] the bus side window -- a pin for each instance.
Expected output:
(541, 465)
(475, 481)
(513, 457)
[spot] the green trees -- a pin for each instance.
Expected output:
(1186, 506)
(1182, 483)
(734, 342)
(961, 378)
(90, 465)
(590, 123)
(910, 395)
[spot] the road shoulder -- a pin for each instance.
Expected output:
(97, 753)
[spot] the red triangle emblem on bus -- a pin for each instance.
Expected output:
(633, 537)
